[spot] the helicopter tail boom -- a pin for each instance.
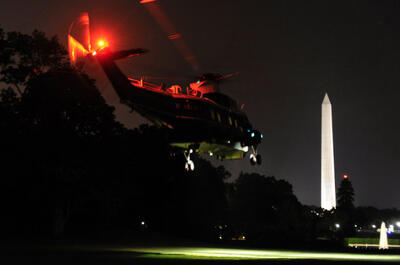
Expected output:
(110, 55)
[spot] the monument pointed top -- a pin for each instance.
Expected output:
(326, 99)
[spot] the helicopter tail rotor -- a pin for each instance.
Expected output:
(78, 50)
(80, 46)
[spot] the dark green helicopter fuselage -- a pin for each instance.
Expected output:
(212, 123)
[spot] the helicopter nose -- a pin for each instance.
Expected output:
(254, 137)
(258, 136)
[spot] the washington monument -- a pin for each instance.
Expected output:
(328, 191)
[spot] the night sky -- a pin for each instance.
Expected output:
(288, 53)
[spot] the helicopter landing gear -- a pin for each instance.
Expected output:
(255, 158)
(189, 165)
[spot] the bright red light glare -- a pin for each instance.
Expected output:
(101, 44)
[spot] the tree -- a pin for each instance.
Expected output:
(53, 121)
(345, 212)
(345, 195)
(266, 210)
(23, 56)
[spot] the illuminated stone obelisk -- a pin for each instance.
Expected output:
(328, 191)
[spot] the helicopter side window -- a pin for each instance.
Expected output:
(219, 117)
(230, 120)
(212, 114)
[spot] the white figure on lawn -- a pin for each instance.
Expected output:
(383, 239)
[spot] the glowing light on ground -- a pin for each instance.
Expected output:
(223, 253)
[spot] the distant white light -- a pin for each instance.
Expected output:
(373, 226)
(220, 237)
(142, 223)
(398, 224)
(211, 154)
(337, 225)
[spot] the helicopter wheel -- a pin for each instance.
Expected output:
(258, 159)
(189, 165)
(253, 159)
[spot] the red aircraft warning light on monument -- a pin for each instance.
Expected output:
(199, 118)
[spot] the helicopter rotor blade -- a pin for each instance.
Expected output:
(223, 77)
(158, 14)
(162, 78)
(216, 77)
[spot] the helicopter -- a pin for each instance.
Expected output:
(198, 117)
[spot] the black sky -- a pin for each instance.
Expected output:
(289, 53)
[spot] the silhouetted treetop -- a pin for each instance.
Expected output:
(345, 195)
(23, 56)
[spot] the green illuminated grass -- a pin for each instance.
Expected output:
(358, 240)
